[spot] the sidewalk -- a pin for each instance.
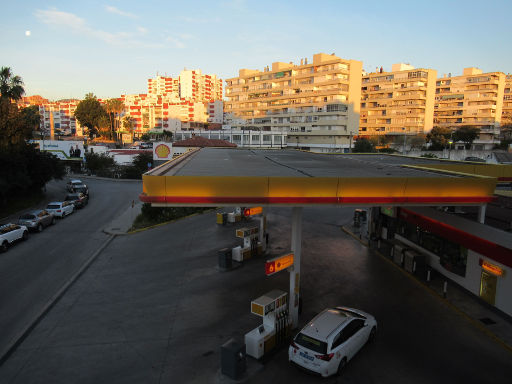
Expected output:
(489, 319)
(122, 224)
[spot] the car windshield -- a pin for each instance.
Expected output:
(310, 343)
(27, 217)
(53, 206)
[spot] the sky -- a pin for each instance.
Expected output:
(65, 49)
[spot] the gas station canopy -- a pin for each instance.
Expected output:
(227, 177)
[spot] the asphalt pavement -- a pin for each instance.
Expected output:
(154, 307)
(34, 273)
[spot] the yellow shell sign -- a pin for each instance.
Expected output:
(162, 151)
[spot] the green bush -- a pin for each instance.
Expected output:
(156, 215)
(99, 163)
(429, 155)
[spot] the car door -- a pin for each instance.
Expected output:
(359, 336)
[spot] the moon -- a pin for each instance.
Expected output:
(27, 33)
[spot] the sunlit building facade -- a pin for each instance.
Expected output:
(398, 102)
(506, 114)
(473, 99)
(316, 103)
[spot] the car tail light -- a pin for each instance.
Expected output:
(295, 346)
(326, 357)
(58, 210)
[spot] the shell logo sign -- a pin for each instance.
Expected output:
(162, 151)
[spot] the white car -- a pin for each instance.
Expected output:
(10, 233)
(331, 339)
(61, 208)
(72, 183)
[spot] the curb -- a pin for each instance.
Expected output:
(435, 294)
(103, 178)
(20, 336)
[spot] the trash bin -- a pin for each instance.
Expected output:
(233, 359)
(225, 258)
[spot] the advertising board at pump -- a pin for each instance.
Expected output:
(63, 149)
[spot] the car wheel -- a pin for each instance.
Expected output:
(4, 246)
(342, 364)
(373, 333)
(40, 228)
(25, 235)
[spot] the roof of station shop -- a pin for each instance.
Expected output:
(225, 176)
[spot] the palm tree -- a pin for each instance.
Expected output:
(117, 107)
(11, 87)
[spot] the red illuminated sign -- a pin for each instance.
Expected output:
(252, 211)
(278, 264)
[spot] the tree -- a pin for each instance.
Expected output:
(104, 127)
(31, 117)
(467, 134)
(417, 141)
(11, 87)
(89, 112)
(438, 138)
(12, 126)
(363, 145)
(128, 124)
(25, 170)
(114, 108)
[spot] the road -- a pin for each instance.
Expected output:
(32, 272)
(154, 308)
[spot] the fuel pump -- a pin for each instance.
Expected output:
(273, 308)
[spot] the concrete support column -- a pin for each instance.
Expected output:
(295, 269)
(481, 213)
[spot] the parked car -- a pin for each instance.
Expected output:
(474, 159)
(60, 208)
(72, 183)
(37, 220)
(81, 188)
(79, 199)
(10, 233)
(331, 339)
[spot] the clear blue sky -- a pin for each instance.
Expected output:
(113, 47)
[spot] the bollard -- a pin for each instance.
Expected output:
(445, 286)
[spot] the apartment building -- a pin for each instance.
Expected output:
(316, 103)
(398, 102)
(164, 86)
(216, 112)
(474, 99)
(58, 118)
(194, 86)
(506, 114)
(156, 113)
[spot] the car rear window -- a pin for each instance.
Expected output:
(53, 206)
(27, 217)
(311, 343)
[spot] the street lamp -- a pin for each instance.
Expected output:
(404, 140)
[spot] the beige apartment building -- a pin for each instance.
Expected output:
(316, 103)
(506, 114)
(400, 102)
(474, 99)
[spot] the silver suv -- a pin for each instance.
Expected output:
(37, 220)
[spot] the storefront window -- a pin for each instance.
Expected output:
(453, 257)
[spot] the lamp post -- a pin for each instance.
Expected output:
(450, 142)
(404, 140)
